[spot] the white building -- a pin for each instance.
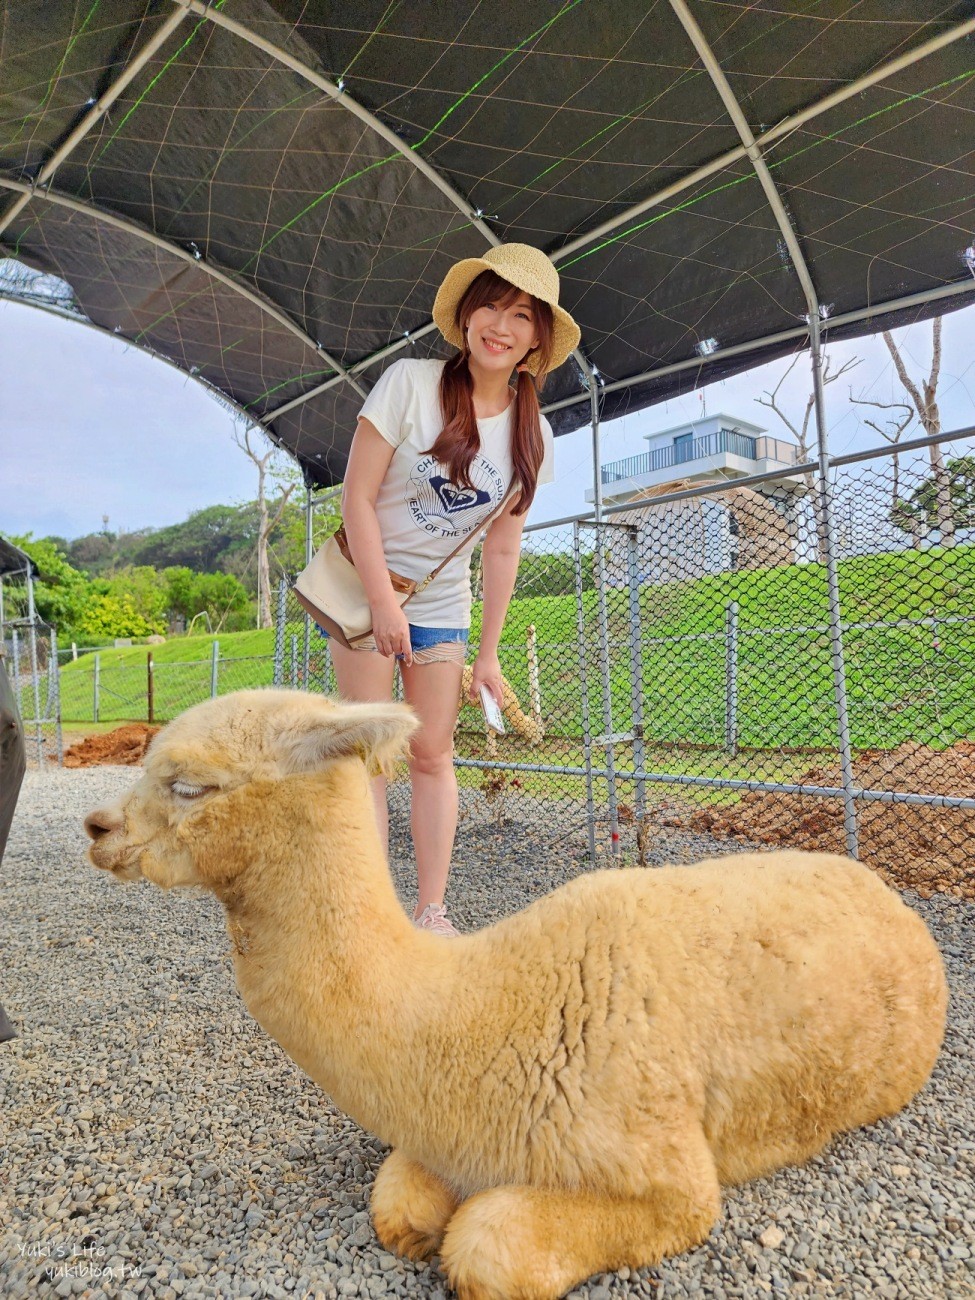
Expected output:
(762, 525)
(707, 450)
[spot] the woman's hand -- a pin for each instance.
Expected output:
(391, 631)
(486, 672)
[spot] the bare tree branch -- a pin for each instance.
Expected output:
(930, 417)
(265, 524)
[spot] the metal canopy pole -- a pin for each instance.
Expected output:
(797, 257)
(309, 552)
(602, 613)
(910, 300)
(35, 681)
(833, 586)
(579, 575)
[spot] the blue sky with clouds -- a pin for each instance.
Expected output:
(92, 427)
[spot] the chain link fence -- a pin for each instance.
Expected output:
(690, 664)
(30, 649)
(101, 692)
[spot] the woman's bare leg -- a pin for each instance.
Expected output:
(366, 676)
(433, 690)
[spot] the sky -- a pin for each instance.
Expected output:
(91, 428)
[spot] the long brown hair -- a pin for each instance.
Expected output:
(459, 441)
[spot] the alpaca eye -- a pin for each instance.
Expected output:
(188, 790)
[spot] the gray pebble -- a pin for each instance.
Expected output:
(212, 1167)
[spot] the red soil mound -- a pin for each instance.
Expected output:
(126, 745)
(911, 846)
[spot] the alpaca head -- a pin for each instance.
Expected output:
(204, 771)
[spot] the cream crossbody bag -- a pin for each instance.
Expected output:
(331, 591)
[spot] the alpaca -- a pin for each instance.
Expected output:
(523, 724)
(565, 1090)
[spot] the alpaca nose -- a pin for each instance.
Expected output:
(101, 821)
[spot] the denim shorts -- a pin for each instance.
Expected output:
(424, 640)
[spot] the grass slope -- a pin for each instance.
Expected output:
(903, 683)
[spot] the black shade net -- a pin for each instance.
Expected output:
(252, 205)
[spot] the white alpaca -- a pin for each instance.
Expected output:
(565, 1090)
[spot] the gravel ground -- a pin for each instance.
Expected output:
(155, 1142)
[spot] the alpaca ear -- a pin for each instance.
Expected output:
(378, 733)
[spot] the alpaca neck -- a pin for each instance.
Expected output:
(323, 948)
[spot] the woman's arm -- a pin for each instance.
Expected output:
(368, 462)
(499, 559)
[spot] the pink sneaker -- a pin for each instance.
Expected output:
(434, 918)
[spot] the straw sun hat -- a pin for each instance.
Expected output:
(527, 269)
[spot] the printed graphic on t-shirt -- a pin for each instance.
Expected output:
(443, 508)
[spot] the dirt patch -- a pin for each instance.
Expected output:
(910, 846)
(125, 745)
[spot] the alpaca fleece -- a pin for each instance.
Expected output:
(564, 1091)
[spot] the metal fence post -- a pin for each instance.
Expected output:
(150, 689)
(534, 680)
(608, 742)
(15, 651)
(584, 682)
(294, 661)
(833, 587)
(54, 695)
(731, 678)
(214, 669)
(279, 633)
(309, 552)
(95, 684)
(34, 675)
(636, 669)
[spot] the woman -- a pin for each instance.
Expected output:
(437, 447)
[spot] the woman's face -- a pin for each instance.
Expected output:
(499, 337)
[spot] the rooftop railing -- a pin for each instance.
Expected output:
(683, 451)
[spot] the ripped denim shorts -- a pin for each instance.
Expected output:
(430, 645)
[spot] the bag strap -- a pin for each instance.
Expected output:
(475, 533)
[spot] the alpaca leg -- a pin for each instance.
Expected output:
(527, 1243)
(410, 1207)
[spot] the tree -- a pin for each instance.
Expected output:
(140, 588)
(203, 542)
(895, 426)
(60, 591)
(922, 509)
(925, 400)
(107, 615)
(268, 465)
(801, 430)
(288, 540)
(218, 595)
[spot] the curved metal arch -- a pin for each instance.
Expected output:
(787, 125)
(797, 334)
(281, 55)
(149, 237)
(94, 115)
(726, 159)
(751, 147)
(330, 88)
(76, 318)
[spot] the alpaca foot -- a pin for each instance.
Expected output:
(526, 1243)
(410, 1207)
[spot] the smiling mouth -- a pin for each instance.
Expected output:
(493, 346)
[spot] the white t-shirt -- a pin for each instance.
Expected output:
(422, 515)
